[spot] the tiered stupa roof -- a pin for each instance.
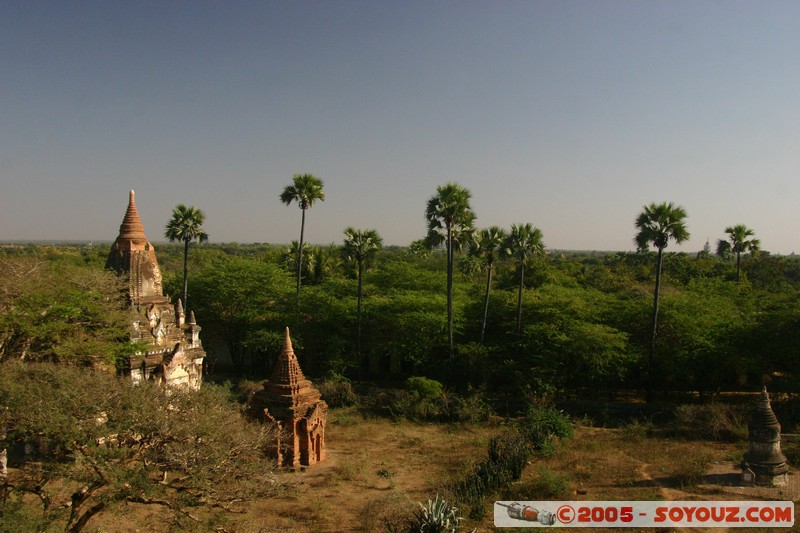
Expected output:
(288, 392)
(132, 230)
(133, 255)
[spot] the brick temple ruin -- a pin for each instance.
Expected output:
(295, 407)
(174, 354)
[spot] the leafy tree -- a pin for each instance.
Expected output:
(657, 225)
(360, 246)
(487, 247)
(450, 220)
(241, 301)
(524, 242)
(55, 310)
(176, 450)
(723, 249)
(739, 242)
(419, 248)
(185, 226)
(703, 331)
(305, 189)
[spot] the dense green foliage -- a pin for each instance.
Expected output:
(60, 309)
(586, 327)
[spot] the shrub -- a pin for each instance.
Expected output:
(716, 421)
(338, 393)
(438, 516)
(507, 457)
(423, 388)
(691, 467)
(473, 408)
(541, 424)
(548, 485)
(638, 429)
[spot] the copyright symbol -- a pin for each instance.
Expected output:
(565, 514)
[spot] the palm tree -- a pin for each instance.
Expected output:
(185, 225)
(305, 189)
(450, 220)
(658, 224)
(325, 263)
(488, 246)
(739, 242)
(292, 254)
(523, 243)
(360, 247)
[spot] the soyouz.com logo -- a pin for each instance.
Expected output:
(643, 514)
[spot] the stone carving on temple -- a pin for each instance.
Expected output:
(173, 353)
(291, 403)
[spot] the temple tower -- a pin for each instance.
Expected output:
(173, 353)
(134, 256)
(292, 403)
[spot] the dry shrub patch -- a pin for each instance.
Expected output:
(712, 421)
(103, 444)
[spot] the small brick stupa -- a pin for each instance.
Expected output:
(174, 354)
(764, 463)
(295, 407)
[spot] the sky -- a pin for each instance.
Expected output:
(569, 115)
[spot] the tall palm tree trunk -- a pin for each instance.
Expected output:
(358, 312)
(654, 334)
(486, 300)
(300, 252)
(738, 264)
(519, 297)
(450, 288)
(185, 275)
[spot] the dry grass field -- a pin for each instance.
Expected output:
(378, 469)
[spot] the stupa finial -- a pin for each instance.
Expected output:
(287, 343)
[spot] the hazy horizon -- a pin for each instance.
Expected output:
(568, 115)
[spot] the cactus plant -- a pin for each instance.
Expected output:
(438, 516)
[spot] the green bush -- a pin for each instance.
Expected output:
(507, 457)
(423, 388)
(542, 424)
(424, 399)
(338, 393)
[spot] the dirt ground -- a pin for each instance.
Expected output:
(374, 468)
(377, 469)
(620, 464)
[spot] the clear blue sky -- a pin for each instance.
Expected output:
(570, 115)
